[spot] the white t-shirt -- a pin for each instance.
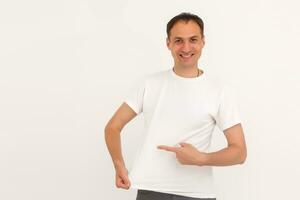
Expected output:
(178, 109)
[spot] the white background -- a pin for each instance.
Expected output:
(65, 67)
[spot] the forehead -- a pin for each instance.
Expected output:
(185, 29)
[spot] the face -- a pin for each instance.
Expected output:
(185, 43)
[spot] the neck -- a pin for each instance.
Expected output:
(187, 72)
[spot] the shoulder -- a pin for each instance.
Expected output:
(156, 77)
(219, 85)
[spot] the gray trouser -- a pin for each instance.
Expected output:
(153, 195)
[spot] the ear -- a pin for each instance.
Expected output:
(203, 40)
(168, 43)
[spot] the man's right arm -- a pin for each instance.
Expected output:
(113, 129)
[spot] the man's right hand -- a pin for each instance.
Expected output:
(122, 180)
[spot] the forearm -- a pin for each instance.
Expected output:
(230, 155)
(113, 143)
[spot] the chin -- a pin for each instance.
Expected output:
(191, 63)
(187, 65)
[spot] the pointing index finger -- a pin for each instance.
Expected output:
(167, 148)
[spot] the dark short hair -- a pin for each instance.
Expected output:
(186, 17)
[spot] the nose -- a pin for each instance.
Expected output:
(186, 47)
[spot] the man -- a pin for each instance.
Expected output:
(181, 107)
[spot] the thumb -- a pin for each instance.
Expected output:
(126, 180)
(183, 144)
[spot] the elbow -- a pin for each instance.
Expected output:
(110, 129)
(107, 128)
(243, 157)
(242, 161)
(108, 133)
(241, 154)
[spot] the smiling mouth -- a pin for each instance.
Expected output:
(186, 56)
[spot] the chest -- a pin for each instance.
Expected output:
(181, 102)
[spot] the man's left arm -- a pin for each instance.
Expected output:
(234, 153)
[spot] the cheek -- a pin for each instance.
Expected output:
(174, 54)
(175, 51)
(198, 49)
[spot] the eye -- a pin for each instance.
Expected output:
(194, 40)
(177, 41)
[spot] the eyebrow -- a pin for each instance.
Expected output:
(194, 36)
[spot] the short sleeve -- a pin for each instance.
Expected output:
(228, 110)
(134, 99)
